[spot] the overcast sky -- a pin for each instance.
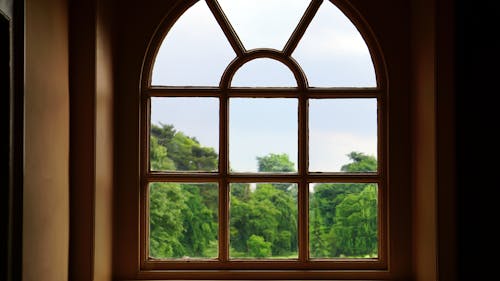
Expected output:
(331, 53)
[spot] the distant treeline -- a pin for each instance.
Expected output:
(264, 219)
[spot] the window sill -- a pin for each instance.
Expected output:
(265, 275)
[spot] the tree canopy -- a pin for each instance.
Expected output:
(183, 217)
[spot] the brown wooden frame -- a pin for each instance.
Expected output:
(316, 268)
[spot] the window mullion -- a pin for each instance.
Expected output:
(303, 231)
(223, 181)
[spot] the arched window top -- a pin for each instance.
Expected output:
(263, 72)
(313, 35)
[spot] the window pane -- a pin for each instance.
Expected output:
(264, 24)
(264, 73)
(263, 135)
(195, 51)
(184, 134)
(263, 220)
(333, 53)
(183, 220)
(343, 135)
(343, 220)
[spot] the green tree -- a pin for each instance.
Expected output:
(240, 231)
(267, 212)
(275, 163)
(199, 221)
(360, 163)
(258, 247)
(356, 226)
(186, 152)
(158, 156)
(183, 217)
(165, 220)
(337, 214)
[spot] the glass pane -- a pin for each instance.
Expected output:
(195, 51)
(184, 134)
(183, 220)
(263, 220)
(343, 220)
(264, 24)
(333, 53)
(264, 72)
(343, 135)
(263, 135)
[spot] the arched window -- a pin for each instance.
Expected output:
(263, 140)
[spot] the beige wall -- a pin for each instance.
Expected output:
(46, 183)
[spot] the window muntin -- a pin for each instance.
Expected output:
(303, 177)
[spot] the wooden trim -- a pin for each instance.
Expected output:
(264, 92)
(249, 274)
(223, 182)
(231, 69)
(265, 264)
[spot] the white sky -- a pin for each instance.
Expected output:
(332, 53)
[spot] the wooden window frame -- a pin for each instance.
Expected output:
(269, 267)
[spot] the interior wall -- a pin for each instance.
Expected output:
(46, 185)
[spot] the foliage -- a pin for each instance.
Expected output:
(275, 163)
(183, 217)
(360, 163)
(185, 152)
(258, 247)
(263, 222)
(267, 212)
(166, 204)
(343, 216)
